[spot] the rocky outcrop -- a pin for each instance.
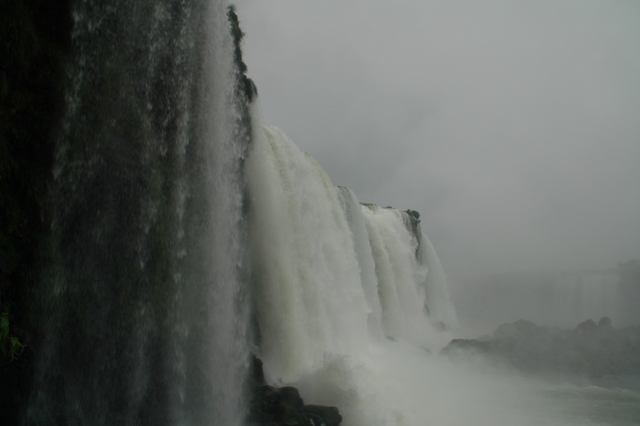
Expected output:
(273, 406)
(330, 416)
(590, 349)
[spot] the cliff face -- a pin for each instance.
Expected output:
(35, 45)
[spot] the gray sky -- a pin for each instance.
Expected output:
(512, 126)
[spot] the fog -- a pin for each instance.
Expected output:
(513, 127)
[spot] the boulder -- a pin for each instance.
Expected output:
(272, 406)
(290, 396)
(330, 415)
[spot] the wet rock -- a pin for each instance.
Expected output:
(256, 374)
(273, 406)
(330, 415)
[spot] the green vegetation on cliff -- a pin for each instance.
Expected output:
(245, 84)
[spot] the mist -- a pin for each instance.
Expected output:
(511, 126)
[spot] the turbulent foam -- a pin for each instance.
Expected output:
(307, 292)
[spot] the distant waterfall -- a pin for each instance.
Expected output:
(143, 303)
(580, 296)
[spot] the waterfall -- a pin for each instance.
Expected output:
(307, 289)
(144, 305)
(339, 289)
(580, 296)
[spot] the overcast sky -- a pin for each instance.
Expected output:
(512, 126)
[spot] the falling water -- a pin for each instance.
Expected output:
(143, 301)
(341, 290)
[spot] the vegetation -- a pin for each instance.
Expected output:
(245, 84)
(10, 345)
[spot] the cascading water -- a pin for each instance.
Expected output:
(330, 273)
(339, 289)
(305, 272)
(143, 301)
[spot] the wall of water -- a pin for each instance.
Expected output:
(335, 284)
(307, 293)
(143, 310)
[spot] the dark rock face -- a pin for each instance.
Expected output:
(330, 415)
(291, 397)
(592, 350)
(283, 406)
(35, 44)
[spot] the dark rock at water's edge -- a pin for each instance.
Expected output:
(330, 415)
(273, 406)
(590, 350)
